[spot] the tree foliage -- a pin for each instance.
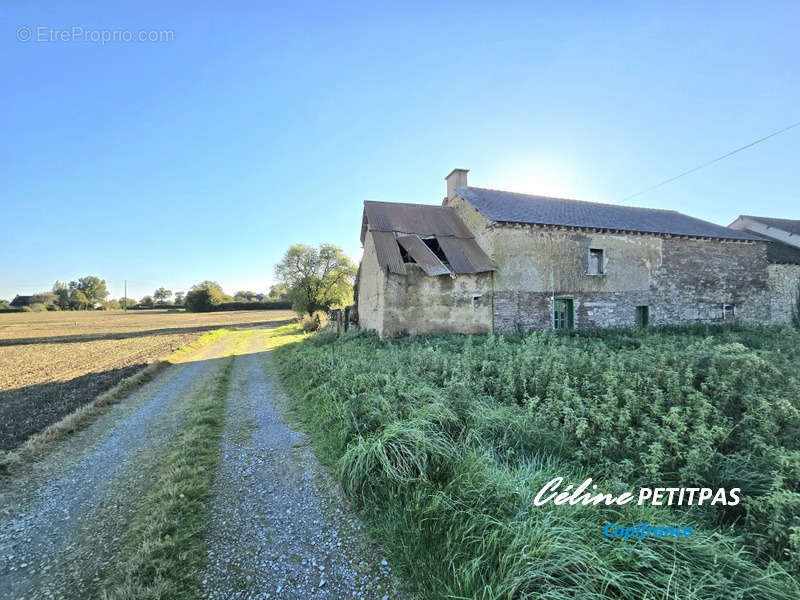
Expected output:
(86, 292)
(316, 278)
(147, 302)
(78, 300)
(204, 296)
(246, 296)
(279, 291)
(61, 291)
(162, 295)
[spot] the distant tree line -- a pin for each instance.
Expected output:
(309, 280)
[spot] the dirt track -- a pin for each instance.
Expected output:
(277, 527)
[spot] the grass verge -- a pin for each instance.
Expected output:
(163, 549)
(443, 443)
(39, 445)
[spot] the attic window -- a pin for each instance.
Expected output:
(405, 255)
(597, 262)
(433, 245)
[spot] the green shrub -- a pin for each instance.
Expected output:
(277, 305)
(315, 322)
(443, 442)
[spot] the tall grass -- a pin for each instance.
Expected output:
(444, 441)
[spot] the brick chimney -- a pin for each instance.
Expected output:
(457, 178)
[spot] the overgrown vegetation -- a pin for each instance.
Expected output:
(444, 442)
(163, 550)
(314, 322)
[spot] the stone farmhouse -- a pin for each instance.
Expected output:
(494, 261)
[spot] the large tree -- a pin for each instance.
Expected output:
(61, 290)
(204, 296)
(78, 300)
(316, 278)
(161, 295)
(93, 288)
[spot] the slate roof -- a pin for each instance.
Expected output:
(389, 222)
(19, 301)
(788, 225)
(512, 207)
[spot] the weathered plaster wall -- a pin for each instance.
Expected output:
(417, 303)
(371, 285)
(783, 288)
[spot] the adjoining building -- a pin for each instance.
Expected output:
(494, 261)
(783, 255)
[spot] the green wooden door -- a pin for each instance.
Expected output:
(642, 316)
(563, 314)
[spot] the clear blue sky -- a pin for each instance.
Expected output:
(264, 124)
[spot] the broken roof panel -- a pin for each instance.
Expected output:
(388, 252)
(422, 255)
(464, 256)
(523, 208)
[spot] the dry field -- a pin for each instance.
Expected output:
(51, 363)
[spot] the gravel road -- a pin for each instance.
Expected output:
(278, 528)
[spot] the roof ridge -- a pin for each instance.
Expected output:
(667, 210)
(408, 204)
(771, 218)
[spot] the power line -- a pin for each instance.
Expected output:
(710, 162)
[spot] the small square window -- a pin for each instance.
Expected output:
(597, 261)
(728, 312)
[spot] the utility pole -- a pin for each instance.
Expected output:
(125, 298)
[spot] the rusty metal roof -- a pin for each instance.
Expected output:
(422, 219)
(464, 255)
(388, 253)
(423, 255)
(391, 223)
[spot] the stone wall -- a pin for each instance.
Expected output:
(783, 288)
(681, 280)
(698, 276)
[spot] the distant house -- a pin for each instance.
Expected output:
(20, 301)
(489, 260)
(783, 254)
